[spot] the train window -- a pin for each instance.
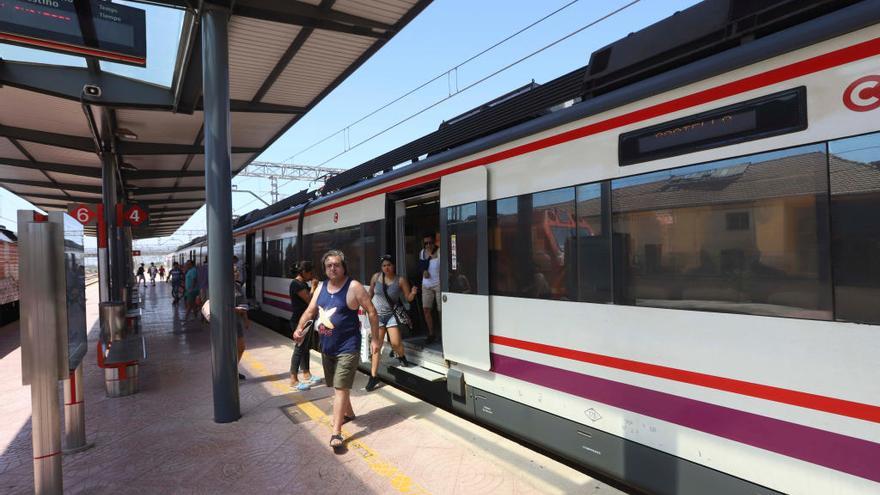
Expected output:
(593, 244)
(274, 258)
(259, 255)
(348, 240)
(372, 248)
(532, 245)
(504, 249)
(319, 243)
(461, 248)
(855, 227)
(677, 249)
(289, 246)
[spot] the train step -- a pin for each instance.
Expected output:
(421, 372)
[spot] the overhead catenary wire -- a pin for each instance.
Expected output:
(435, 78)
(350, 147)
(483, 79)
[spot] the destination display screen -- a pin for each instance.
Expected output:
(97, 28)
(771, 115)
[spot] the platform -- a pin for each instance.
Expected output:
(163, 439)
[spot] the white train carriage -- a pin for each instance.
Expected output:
(672, 279)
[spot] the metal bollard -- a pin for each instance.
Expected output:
(74, 413)
(120, 377)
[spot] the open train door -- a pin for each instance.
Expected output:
(465, 267)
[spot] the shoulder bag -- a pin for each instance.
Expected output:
(397, 310)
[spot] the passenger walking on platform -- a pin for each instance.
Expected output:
(175, 278)
(238, 279)
(336, 303)
(388, 291)
(240, 308)
(191, 292)
(152, 271)
(140, 276)
(202, 274)
(301, 289)
(161, 273)
(429, 258)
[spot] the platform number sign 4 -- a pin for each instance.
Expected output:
(132, 215)
(84, 214)
(135, 215)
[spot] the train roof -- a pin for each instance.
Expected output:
(7, 235)
(673, 52)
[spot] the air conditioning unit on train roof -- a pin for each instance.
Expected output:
(709, 27)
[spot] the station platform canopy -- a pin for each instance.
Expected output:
(284, 57)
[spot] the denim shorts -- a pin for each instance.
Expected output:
(388, 320)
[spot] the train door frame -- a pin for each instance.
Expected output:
(399, 233)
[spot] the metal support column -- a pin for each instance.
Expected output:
(41, 349)
(218, 177)
(108, 199)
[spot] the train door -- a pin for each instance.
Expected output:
(465, 267)
(259, 251)
(249, 266)
(416, 214)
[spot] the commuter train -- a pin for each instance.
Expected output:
(9, 292)
(664, 267)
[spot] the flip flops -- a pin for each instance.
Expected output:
(303, 386)
(339, 446)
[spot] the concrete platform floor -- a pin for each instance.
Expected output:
(163, 439)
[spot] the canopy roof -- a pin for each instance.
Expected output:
(284, 57)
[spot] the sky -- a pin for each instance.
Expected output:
(435, 43)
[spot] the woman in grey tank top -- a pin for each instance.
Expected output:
(387, 290)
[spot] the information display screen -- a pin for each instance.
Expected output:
(75, 281)
(97, 28)
(771, 115)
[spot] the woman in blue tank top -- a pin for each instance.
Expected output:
(334, 308)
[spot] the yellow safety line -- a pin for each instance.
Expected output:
(399, 480)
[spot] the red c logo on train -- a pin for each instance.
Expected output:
(863, 94)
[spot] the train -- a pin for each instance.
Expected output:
(663, 266)
(9, 291)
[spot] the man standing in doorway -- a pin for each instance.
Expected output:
(429, 259)
(335, 303)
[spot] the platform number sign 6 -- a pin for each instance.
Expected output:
(84, 214)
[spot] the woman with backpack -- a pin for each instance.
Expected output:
(390, 294)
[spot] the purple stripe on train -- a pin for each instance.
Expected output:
(840, 452)
(278, 304)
